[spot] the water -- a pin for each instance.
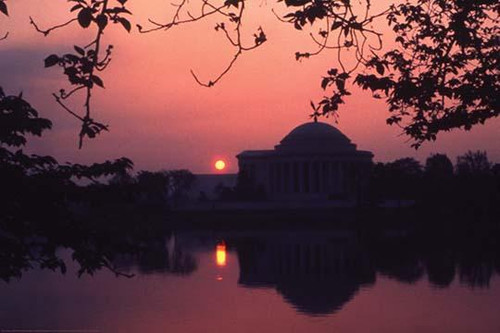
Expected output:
(267, 281)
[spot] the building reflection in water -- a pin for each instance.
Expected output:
(320, 271)
(317, 273)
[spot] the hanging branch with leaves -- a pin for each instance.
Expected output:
(82, 65)
(445, 72)
(345, 29)
(231, 11)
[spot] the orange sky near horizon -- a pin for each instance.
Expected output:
(162, 119)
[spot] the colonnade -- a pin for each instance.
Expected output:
(310, 176)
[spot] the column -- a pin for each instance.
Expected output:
(341, 178)
(334, 176)
(295, 177)
(325, 179)
(306, 180)
(271, 177)
(316, 176)
(278, 177)
(288, 184)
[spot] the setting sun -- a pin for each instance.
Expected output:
(220, 165)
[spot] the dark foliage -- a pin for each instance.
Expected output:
(43, 209)
(473, 164)
(397, 180)
(246, 189)
(443, 74)
(438, 166)
(474, 189)
(164, 187)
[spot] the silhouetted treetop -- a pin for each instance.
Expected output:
(19, 118)
(473, 163)
(438, 166)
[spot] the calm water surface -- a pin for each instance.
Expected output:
(272, 281)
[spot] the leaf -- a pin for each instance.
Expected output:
(75, 7)
(126, 24)
(3, 8)
(340, 84)
(85, 17)
(79, 50)
(51, 60)
(380, 68)
(102, 21)
(336, 25)
(118, 10)
(325, 82)
(230, 3)
(97, 80)
(296, 3)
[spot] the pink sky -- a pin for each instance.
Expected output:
(162, 119)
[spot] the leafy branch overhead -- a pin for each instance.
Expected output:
(82, 65)
(231, 14)
(443, 73)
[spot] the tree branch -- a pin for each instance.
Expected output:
(46, 32)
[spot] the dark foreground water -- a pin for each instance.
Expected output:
(268, 281)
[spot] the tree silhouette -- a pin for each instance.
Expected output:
(445, 74)
(399, 179)
(36, 216)
(178, 184)
(473, 164)
(438, 166)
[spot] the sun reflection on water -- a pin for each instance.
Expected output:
(221, 254)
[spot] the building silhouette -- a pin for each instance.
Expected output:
(315, 161)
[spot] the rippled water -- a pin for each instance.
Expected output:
(313, 281)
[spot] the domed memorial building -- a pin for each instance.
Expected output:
(315, 161)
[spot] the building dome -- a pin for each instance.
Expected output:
(316, 136)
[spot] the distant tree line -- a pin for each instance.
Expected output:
(245, 190)
(167, 189)
(472, 184)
